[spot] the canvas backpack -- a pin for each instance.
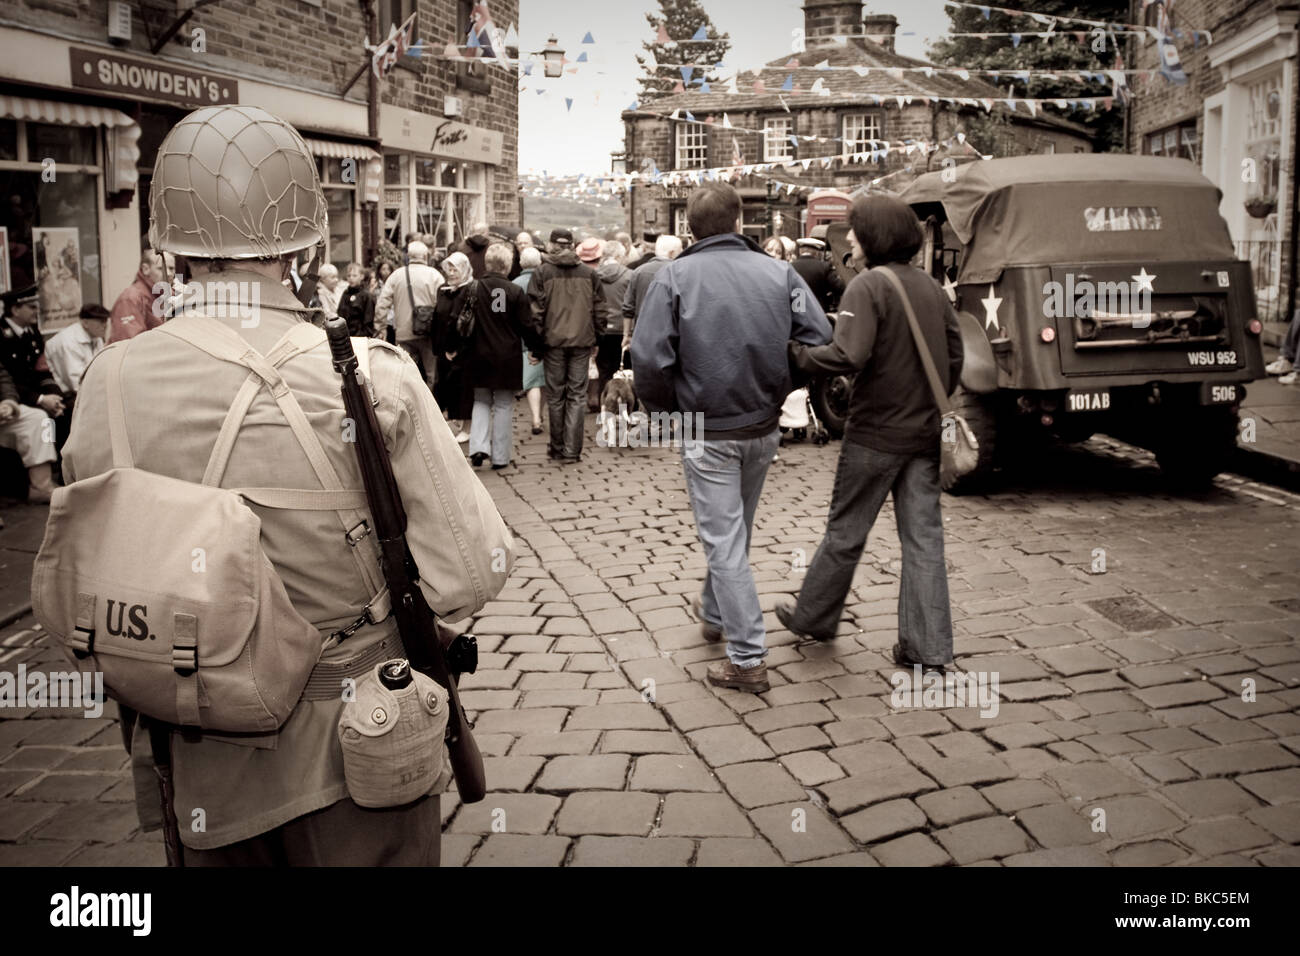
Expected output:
(214, 644)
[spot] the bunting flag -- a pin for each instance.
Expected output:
(701, 35)
(737, 157)
(588, 38)
(386, 54)
(1171, 66)
(662, 37)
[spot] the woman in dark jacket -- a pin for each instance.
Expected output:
(891, 438)
(504, 325)
(452, 391)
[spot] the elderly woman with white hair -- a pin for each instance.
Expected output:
(503, 324)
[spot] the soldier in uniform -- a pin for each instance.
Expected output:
(29, 396)
(236, 191)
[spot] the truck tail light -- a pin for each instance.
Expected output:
(1048, 334)
(1255, 327)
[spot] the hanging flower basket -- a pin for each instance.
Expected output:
(1261, 207)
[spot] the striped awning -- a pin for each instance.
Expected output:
(331, 149)
(66, 114)
(122, 147)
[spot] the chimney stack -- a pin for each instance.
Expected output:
(880, 28)
(823, 19)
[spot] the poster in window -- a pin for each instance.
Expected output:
(5, 282)
(57, 253)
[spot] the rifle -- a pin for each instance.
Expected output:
(416, 622)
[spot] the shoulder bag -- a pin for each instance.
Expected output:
(421, 315)
(959, 451)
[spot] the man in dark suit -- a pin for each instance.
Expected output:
(30, 397)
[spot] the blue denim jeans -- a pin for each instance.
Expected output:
(566, 378)
(725, 480)
(489, 430)
(863, 479)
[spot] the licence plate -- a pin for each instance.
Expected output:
(1212, 394)
(1097, 400)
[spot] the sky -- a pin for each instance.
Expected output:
(564, 139)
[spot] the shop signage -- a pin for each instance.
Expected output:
(150, 79)
(435, 136)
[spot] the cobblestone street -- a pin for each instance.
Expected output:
(1125, 626)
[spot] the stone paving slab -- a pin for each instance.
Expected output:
(1123, 732)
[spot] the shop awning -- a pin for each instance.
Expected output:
(122, 151)
(335, 150)
(67, 114)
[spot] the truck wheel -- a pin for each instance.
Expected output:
(981, 416)
(830, 395)
(1197, 448)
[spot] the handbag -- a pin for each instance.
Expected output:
(959, 452)
(467, 321)
(421, 315)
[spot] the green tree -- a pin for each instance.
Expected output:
(1034, 53)
(682, 19)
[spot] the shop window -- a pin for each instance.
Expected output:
(51, 229)
(859, 131)
(1263, 143)
(451, 175)
(395, 169)
(1175, 142)
(776, 138)
(339, 203)
(692, 146)
(8, 140)
(74, 145)
(426, 171)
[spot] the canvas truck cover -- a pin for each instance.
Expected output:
(1035, 210)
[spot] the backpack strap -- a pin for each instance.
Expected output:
(222, 343)
(116, 410)
(210, 336)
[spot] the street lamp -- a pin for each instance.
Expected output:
(554, 57)
(618, 163)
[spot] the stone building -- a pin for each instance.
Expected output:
(829, 112)
(1236, 119)
(94, 86)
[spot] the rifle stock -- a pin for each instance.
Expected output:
(416, 622)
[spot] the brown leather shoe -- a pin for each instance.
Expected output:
(710, 632)
(750, 679)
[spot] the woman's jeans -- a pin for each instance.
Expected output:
(863, 479)
(489, 429)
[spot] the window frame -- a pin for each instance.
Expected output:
(788, 150)
(693, 130)
(1156, 142)
(873, 117)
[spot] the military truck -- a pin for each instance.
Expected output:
(1096, 293)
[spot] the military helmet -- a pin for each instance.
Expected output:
(235, 182)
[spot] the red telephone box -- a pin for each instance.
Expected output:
(825, 206)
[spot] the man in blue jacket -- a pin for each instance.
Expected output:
(711, 340)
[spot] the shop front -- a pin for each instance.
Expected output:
(437, 175)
